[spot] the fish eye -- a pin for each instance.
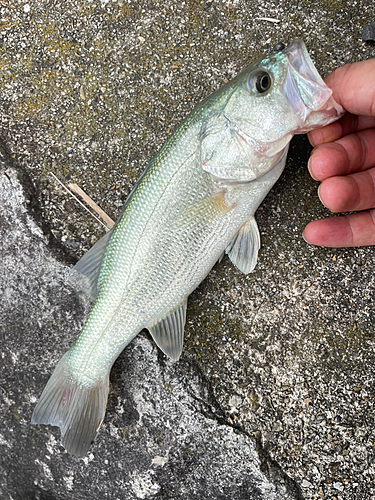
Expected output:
(262, 82)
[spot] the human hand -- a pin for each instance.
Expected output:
(344, 161)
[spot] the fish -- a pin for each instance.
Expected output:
(194, 203)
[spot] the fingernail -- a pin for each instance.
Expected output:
(320, 198)
(310, 167)
(310, 137)
(304, 237)
(309, 242)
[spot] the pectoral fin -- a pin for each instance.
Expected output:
(206, 209)
(243, 250)
(168, 333)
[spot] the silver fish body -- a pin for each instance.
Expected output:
(195, 201)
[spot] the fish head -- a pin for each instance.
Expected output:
(259, 111)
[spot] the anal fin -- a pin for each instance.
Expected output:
(168, 333)
(243, 250)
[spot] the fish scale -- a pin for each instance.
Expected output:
(110, 326)
(195, 202)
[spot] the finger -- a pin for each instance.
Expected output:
(347, 124)
(352, 230)
(350, 193)
(353, 87)
(352, 153)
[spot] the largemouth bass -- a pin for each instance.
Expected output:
(195, 201)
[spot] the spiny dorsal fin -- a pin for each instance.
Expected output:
(168, 333)
(243, 250)
(90, 263)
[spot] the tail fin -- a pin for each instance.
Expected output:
(78, 409)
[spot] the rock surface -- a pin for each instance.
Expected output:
(368, 32)
(274, 394)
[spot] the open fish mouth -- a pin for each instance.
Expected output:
(305, 89)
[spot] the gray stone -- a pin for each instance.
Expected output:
(275, 385)
(368, 32)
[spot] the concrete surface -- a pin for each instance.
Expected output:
(273, 397)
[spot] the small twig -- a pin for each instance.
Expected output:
(76, 189)
(269, 19)
(79, 201)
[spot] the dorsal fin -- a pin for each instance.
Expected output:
(90, 263)
(168, 333)
(243, 250)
